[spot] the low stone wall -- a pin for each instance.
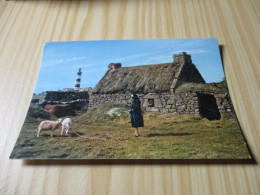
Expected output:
(224, 104)
(65, 96)
(76, 99)
(96, 99)
(184, 103)
(181, 103)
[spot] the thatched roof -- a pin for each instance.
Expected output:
(139, 79)
(208, 88)
(156, 78)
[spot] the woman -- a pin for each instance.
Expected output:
(136, 114)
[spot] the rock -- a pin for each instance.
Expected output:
(221, 107)
(183, 107)
(146, 103)
(122, 97)
(151, 96)
(113, 111)
(170, 102)
(152, 109)
(168, 106)
(178, 103)
(219, 95)
(171, 110)
(157, 103)
(164, 110)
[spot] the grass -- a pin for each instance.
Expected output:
(164, 136)
(220, 87)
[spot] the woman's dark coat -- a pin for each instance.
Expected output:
(136, 113)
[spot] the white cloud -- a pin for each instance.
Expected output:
(196, 51)
(132, 57)
(60, 61)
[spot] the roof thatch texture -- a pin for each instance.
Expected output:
(155, 78)
(209, 88)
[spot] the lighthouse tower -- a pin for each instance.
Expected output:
(77, 85)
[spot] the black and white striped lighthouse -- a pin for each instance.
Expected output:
(77, 85)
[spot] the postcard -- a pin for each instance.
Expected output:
(131, 99)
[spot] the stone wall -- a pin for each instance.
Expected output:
(181, 103)
(184, 103)
(76, 99)
(96, 99)
(66, 96)
(224, 104)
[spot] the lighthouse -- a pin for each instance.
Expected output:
(77, 85)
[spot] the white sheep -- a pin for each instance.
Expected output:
(48, 125)
(66, 125)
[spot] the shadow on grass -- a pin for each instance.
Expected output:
(49, 135)
(74, 135)
(168, 134)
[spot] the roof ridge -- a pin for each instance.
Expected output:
(144, 66)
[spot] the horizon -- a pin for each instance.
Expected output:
(65, 58)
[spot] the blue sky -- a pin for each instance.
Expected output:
(61, 60)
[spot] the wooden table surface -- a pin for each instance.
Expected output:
(26, 25)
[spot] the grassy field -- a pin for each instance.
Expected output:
(165, 136)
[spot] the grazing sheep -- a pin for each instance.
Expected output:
(49, 125)
(66, 125)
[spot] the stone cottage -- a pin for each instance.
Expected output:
(176, 87)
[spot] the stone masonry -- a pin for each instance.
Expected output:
(182, 103)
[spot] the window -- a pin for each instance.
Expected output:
(150, 102)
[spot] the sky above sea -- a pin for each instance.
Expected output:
(61, 60)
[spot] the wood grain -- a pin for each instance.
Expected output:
(26, 25)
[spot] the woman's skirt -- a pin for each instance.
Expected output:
(136, 120)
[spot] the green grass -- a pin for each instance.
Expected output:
(164, 136)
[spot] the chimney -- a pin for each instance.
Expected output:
(113, 66)
(182, 58)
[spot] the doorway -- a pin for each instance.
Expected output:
(208, 107)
